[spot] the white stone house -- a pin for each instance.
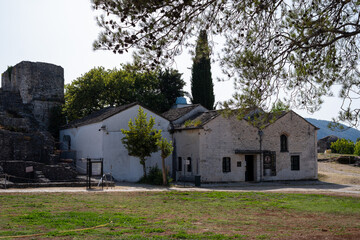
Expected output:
(226, 149)
(99, 136)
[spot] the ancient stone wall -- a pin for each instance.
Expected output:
(40, 85)
(24, 146)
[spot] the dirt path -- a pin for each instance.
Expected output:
(333, 172)
(286, 187)
(334, 179)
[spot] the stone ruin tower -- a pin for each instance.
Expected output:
(40, 86)
(29, 92)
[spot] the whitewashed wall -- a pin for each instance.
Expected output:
(116, 159)
(88, 141)
(187, 145)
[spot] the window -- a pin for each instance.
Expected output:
(188, 163)
(226, 164)
(179, 166)
(283, 143)
(295, 163)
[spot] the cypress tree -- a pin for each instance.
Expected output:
(202, 88)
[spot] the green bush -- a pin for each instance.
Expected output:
(342, 146)
(154, 177)
(357, 148)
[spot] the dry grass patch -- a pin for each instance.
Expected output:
(180, 215)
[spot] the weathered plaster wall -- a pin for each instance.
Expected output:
(301, 141)
(187, 145)
(220, 138)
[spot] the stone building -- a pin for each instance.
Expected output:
(29, 92)
(206, 143)
(226, 149)
(40, 86)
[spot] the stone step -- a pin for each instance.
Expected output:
(40, 177)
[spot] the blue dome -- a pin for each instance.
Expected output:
(181, 100)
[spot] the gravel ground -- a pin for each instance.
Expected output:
(342, 169)
(333, 184)
(293, 187)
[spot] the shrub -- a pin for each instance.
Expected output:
(342, 146)
(357, 148)
(154, 177)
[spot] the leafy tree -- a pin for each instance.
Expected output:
(202, 88)
(101, 88)
(166, 149)
(298, 47)
(357, 148)
(279, 107)
(343, 146)
(170, 85)
(83, 96)
(141, 138)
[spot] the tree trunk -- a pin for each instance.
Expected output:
(163, 171)
(142, 161)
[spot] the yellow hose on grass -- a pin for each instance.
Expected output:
(41, 234)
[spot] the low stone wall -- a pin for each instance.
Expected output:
(24, 171)
(17, 170)
(59, 173)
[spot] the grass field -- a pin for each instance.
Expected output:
(179, 215)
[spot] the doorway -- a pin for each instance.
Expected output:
(249, 173)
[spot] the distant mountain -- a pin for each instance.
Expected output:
(349, 133)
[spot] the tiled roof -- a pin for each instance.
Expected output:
(98, 116)
(176, 113)
(199, 120)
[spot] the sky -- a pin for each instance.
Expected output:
(62, 32)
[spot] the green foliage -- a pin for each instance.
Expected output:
(84, 95)
(280, 106)
(170, 86)
(155, 177)
(271, 48)
(100, 88)
(357, 148)
(202, 88)
(166, 149)
(343, 146)
(9, 71)
(141, 138)
(192, 123)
